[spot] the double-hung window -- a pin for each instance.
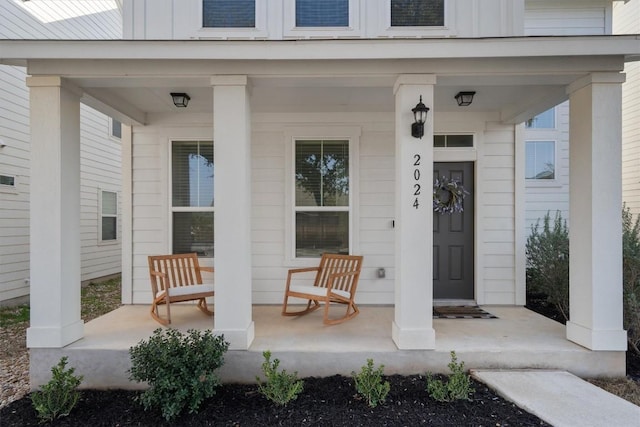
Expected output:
(322, 197)
(192, 199)
(540, 160)
(108, 216)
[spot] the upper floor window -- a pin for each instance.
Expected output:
(326, 13)
(115, 129)
(228, 13)
(192, 171)
(417, 13)
(108, 216)
(322, 201)
(546, 120)
(540, 160)
(8, 180)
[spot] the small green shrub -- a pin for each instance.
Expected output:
(548, 262)
(369, 384)
(59, 396)
(631, 277)
(457, 387)
(279, 387)
(180, 369)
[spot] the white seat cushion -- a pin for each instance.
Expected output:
(316, 290)
(186, 290)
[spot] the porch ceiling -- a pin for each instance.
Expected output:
(131, 80)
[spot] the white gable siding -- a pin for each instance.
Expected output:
(626, 20)
(567, 17)
(100, 154)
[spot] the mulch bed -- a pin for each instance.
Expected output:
(328, 401)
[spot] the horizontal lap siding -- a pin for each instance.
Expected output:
(14, 205)
(497, 223)
(553, 17)
(100, 156)
(626, 20)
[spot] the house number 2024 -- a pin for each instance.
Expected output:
(416, 178)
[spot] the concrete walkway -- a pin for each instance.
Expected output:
(560, 398)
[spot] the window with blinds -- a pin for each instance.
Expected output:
(322, 203)
(108, 216)
(228, 13)
(326, 13)
(192, 197)
(417, 13)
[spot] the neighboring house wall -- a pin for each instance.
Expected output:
(100, 154)
(626, 20)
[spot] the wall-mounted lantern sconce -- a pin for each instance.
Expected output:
(419, 117)
(464, 98)
(180, 100)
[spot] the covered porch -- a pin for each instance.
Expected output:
(251, 104)
(517, 339)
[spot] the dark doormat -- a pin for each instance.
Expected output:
(461, 312)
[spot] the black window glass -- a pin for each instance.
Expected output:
(417, 13)
(229, 13)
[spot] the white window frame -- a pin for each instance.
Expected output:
(447, 30)
(290, 29)
(537, 129)
(102, 215)
(534, 182)
(260, 29)
(111, 135)
(10, 189)
(347, 133)
(172, 208)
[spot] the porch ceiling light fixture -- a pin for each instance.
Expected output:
(180, 99)
(419, 117)
(464, 98)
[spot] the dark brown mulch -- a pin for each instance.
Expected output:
(328, 401)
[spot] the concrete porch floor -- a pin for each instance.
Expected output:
(518, 339)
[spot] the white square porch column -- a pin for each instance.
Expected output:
(595, 227)
(413, 320)
(55, 213)
(232, 222)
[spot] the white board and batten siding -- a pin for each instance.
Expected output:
(373, 205)
(626, 20)
(100, 154)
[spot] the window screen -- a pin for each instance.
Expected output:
(229, 13)
(417, 13)
(192, 177)
(324, 13)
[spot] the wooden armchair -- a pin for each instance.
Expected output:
(176, 278)
(336, 281)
